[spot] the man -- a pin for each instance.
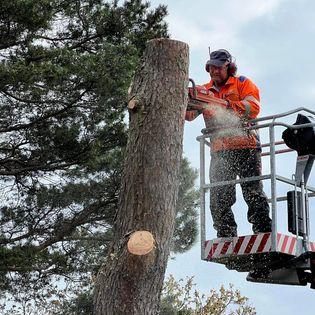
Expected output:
(235, 151)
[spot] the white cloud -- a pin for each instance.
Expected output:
(241, 11)
(203, 21)
(196, 36)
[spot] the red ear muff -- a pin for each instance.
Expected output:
(232, 69)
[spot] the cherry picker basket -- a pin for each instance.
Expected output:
(271, 257)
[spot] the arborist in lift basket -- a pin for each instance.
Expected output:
(235, 150)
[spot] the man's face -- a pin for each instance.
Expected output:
(219, 74)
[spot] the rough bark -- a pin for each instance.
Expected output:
(127, 283)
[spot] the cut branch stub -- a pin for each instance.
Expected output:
(132, 104)
(140, 243)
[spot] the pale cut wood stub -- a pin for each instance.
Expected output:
(140, 243)
(132, 104)
(132, 283)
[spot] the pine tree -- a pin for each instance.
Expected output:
(65, 71)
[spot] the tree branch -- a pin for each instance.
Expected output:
(68, 227)
(42, 118)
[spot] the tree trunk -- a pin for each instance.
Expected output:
(128, 283)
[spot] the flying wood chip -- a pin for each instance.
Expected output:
(140, 243)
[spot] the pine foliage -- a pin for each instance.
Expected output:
(65, 69)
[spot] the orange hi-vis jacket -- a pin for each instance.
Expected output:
(243, 104)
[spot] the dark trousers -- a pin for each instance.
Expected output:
(227, 165)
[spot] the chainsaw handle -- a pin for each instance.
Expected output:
(192, 83)
(193, 86)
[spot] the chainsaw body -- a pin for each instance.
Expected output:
(199, 98)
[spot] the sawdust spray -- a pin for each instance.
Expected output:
(225, 123)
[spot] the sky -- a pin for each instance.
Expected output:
(273, 44)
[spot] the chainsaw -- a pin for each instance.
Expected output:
(199, 98)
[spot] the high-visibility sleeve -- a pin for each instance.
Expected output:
(249, 104)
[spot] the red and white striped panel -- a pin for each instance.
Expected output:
(251, 244)
(286, 244)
